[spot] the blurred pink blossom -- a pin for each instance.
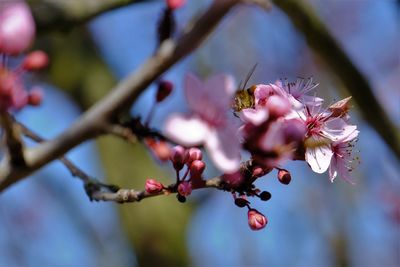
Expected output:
(208, 123)
(17, 27)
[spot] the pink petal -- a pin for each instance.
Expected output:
(194, 92)
(187, 131)
(319, 158)
(254, 116)
(337, 129)
(224, 149)
(221, 88)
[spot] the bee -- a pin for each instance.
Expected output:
(244, 97)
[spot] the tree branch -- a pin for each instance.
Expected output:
(131, 195)
(13, 140)
(64, 14)
(93, 121)
(322, 42)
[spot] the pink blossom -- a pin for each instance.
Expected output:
(322, 130)
(185, 189)
(208, 123)
(342, 158)
(17, 27)
(298, 91)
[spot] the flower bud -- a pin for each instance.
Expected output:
(153, 186)
(178, 157)
(278, 106)
(284, 176)
(241, 202)
(194, 154)
(17, 28)
(35, 97)
(164, 90)
(175, 4)
(181, 198)
(265, 196)
(197, 168)
(35, 60)
(256, 220)
(160, 149)
(185, 189)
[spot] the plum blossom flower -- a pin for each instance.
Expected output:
(208, 123)
(17, 27)
(342, 158)
(299, 89)
(323, 129)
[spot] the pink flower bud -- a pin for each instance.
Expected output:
(185, 189)
(17, 28)
(278, 106)
(284, 176)
(164, 90)
(174, 4)
(197, 168)
(257, 221)
(178, 157)
(160, 149)
(153, 186)
(35, 97)
(194, 154)
(35, 60)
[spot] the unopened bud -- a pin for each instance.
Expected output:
(185, 189)
(256, 220)
(164, 90)
(174, 4)
(234, 180)
(194, 154)
(181, 198)
(153, 186)
(197, 168)
(265, 196)
(241, 202)
(284, 176)
(35, 60)
(35, 97)
(178, 157)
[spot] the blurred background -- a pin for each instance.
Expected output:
(47, 220)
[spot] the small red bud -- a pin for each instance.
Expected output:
(194, 154)
(256, 220)
(178, 157)
(284, 176)
(185, 189)
(35, 97)
(35, 60)
(197, 167)
(174, 4)
(164, 90)
(153, 186)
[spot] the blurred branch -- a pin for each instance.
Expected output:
(92, 123)
(13, 140)
(323, 43)
(64, 14)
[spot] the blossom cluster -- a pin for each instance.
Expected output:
(17, 31)
(275, 123)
